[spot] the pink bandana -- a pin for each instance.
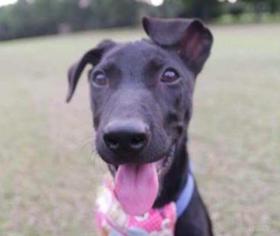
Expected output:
(113, 221)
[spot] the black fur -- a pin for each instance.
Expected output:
(126, 85)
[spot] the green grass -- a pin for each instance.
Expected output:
(49, 173)
(249, 18)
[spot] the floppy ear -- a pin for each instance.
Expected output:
(189, 37)
(92, 57)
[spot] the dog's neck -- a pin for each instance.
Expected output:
(175, 179)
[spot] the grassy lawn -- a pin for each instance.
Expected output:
(49, 173)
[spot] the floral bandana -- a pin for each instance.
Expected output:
(113, 221)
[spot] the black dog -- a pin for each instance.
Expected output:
(141, 99)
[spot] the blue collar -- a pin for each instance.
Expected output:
(185, 197)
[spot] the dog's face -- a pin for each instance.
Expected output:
(141, 93)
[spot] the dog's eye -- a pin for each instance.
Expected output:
(99, 79)
(169, 76)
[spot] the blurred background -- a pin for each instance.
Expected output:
(25, 18)
(49, 170)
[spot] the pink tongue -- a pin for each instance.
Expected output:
(136, 187)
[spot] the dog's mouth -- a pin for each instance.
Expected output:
(137, 185)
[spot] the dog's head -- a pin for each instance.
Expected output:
(141, 97)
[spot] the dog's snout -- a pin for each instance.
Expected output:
(126, 137)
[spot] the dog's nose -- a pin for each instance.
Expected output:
(126, 137)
